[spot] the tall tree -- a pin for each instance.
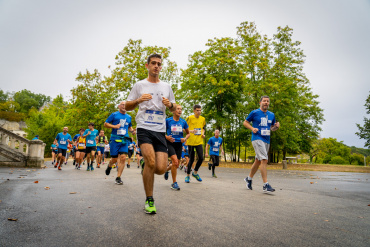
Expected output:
(28, 100)
(364, 131)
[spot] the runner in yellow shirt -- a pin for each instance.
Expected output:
(196, 128)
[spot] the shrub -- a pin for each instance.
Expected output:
(12, 116)
(337, 160)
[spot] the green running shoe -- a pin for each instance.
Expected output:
(196, 177)
(88, 168)
(150, 207)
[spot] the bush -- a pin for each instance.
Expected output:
(12, 116)
(337, 160)
(358, 159)
(327, 159)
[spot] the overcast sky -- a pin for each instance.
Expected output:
(44, 44)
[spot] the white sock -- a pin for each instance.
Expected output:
(266, 183)
(249, 178)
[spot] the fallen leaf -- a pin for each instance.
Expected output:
(314, 213)
(72, 192)
(360, 217)
(11, 219)
(47, 188)
(20, 177)
(311, 182)
(36, 182)
(326, 220)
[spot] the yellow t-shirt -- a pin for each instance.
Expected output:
(196, 124)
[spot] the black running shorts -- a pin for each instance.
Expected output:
(156, 139)
(174, 148)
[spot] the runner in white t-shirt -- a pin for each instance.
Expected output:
(152, 96)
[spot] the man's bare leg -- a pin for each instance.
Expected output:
(155, 163)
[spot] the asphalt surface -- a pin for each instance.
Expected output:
(83, 208)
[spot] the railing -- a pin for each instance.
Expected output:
(21, 149)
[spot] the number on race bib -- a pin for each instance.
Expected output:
(121, 132)
(198, 131)
(63, 142)
(90, 141)
(265, 132)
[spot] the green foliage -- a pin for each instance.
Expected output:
(3, 96)
(130, 66)
(363, 151)
(337, 160)
(48, 122)
(357, 159)
(12, 116)
(364, 131)
(230, 76)
(28, 100)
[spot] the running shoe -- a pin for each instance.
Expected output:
(150, 207)
(107, 171)
(175, 186)
(181, 166)
(92, 168)
(197, 177)
(128, 166)
(187, 179)
(88, 168)
(59, 168)
(166, 175)
(79, 168)
(249, 183)
(119, 181)
(268, 188)
(56, 165)
(209, 166)
(98, 166)
(214, 176)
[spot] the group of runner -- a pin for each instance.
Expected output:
(160, 138)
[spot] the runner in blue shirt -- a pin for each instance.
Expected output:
(131, 148)
(63, 138)
(184, 156)
(120, 123)
(175, 127)
(54, 152)
(214, 145)
(263, 123)
(90, 134)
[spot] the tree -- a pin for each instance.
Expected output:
(364, 131)
(130, 66)
(92, 101)
(27, 100)
(48, 122)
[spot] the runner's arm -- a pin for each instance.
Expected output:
(247, 125)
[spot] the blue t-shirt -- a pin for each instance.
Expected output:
(214, 144)
(186, 149)
(75, 137)
(125, 121)
(54, 147)
(263, 122)
(131, 145)
(91, 139)
(137, 148)
(176, 128)
(62, 140)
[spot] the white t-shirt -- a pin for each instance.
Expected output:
(152, 113)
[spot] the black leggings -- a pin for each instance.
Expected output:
(199, 150)
(215, 162)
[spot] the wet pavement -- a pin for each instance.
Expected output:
(83, 208)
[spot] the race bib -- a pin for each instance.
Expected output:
(63, 142)
(154, 117)
(215, 149)
(81, 145)
(198, 131)
(121, 132)
(265, 132)
(90, 141)
(176, 128)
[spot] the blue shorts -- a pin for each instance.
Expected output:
(117, 148)
(100, 149)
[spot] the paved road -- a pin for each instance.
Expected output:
(308, 209)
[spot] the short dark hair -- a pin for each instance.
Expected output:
(92, 124)
(82, 129)
(154, 55)
(196, 107)
(264, 97)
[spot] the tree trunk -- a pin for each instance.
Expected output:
(239, 151)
